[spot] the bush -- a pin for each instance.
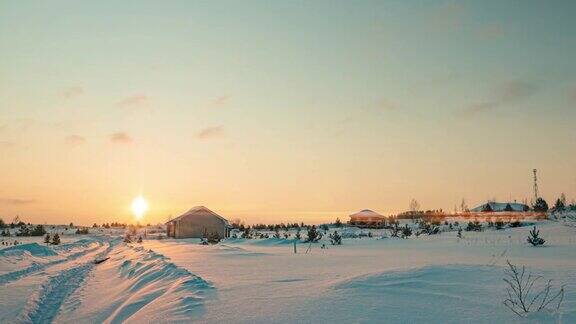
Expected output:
(83, 231)
(522, 299)
(474, 226)
(38, 230)
(516, 223)
(213, 238)
(499, 224)
(23, 231)
(534, 237)
(246, 234)
(335, 238)
(277, 233)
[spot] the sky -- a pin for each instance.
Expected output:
(275, 111)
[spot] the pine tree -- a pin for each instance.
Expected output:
(47, 239)
(534, 237)
(394, 230)
(338, 223)
(56, 239)
(559, 206)
(459, 233)
(540, 205)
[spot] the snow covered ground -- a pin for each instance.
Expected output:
(435, 279)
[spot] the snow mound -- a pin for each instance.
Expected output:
(78, 246)
(33, 249)
(272, 241)
(440, 294)
(228, 251)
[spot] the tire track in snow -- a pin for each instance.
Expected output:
(53, 294)
(36, 267)
(45, 305)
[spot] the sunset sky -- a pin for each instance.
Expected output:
(275, 111)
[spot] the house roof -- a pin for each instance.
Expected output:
(198, 211)
(498, 206)
(366, 213)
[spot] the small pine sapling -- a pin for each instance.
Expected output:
(394, 230)
(338, 223)
(406, 231)
(313, 235)
(47, 239)
(534, 237)
(56, 239)
(277, 233)
(298, 236)
(335, 238)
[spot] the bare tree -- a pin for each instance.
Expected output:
(563, 199)
(522, 298)
(463, 206)
(414, 205)
(414, 208)
(236, 222)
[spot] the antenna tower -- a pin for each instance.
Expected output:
(535, 185)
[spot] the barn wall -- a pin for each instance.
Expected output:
(196, 226)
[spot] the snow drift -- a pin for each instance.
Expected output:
(33, 249)
(138, 285)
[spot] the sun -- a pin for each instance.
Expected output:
(139, 207)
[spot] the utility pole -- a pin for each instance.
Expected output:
(535, 186)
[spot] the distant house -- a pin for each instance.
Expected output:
(198, 222)
(500, 207)
(367, 217)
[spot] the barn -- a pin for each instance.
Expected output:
(492, 206)
(198, 222)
